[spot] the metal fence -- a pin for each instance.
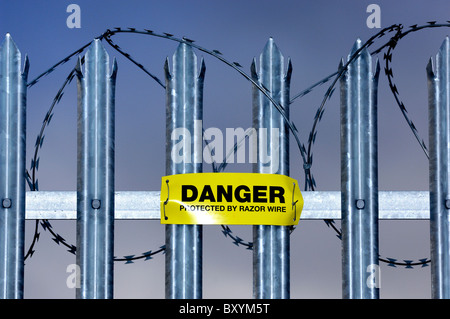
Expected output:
(95, 204)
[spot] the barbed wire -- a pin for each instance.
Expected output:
(306, 153)
(31, 179)
(391, 44)
(33, 182)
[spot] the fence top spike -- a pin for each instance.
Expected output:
(288, 70)
(341, 64)
(356, 46)
(185, 55)
(167, 69)
(253, 70)
(271, 50)
(97, 49)
(184, 51)
(8, 37)
(442, 57)
(26, 67)
(430, 69)
(363, 53)
(78, 68)
(9, 43)
(377, 70)
(340, 68)
(445, 46)
(114, 69)
(201, 74)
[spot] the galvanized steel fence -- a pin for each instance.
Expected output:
(95, 204)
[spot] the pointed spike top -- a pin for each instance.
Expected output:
(272, 56)
(253, 71)
(442, 57)
(356, 46)
(430, 69)
(114, 69)
(363, 53)
(184, 55)
(184, 50)
(201, 74)
(343, 75)
(341, 64)
(97, 48)
(167, 69)
(26, 67)
(270, 43)
(445, 46)
(377, 70)
(8, 37)
(9, 42)
(271, 49)
(78, 69)
(288, 70)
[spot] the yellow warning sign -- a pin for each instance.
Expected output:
(230, 199)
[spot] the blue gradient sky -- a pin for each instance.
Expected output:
(315, 35)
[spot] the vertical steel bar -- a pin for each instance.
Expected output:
(184, 110)
(95, 180)
(13, 86)
(439, 141)
(359, 177)
(271, 244)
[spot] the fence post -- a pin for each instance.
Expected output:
(95, 180)
(439, 140)
(359, 178)
(184, 113)
(271, 244)
(13, 88)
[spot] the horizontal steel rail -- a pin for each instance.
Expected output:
(129, 205)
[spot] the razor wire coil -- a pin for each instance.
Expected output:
(306, 152)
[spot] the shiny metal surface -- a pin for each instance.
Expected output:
(95, 174)
(13, 90)
(271, 244)
(359, 175)
(393, 205)
(439, 141)
(184, 109)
